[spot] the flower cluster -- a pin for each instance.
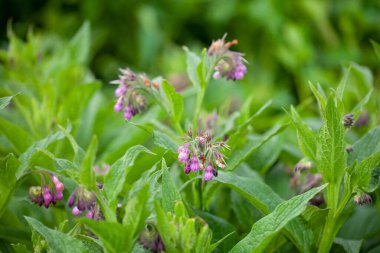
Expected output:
(47, 193)
(129, 97)
(200, 153)
(304, 180)
(230, 64)
(362, 199)
(83, 200)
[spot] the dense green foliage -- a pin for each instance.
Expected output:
(309, 100)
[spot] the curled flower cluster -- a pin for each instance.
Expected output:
(47, 194)
(82, 200)
(230, 64)
(201, 154)
(128, 93)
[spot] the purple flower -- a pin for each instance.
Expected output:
(129, 112)
(187, 168)
(120, 91)
(183, 153)
(231, 67)
(119, 105)
(47, 196)
(194, 164)
(208, 173)
(76, 211)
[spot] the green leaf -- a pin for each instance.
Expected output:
(114, 236)
(265, 199)
(8, 167)
(175, 101)
(320, 96)
(170, 193)
(306, 137)
(20, 141)
(20, 248)
(57, 241)
(361, 176)
(90, 244)
(136, 212)
(42, 144)
(365, 146)
(241, 154)
(114, 180)
(79, 46)
(164, 141)
(166, 229)
(86, 172)
(4, 101)
(266, 228)
(331, 151)
(201, 71)
(376, 48)
(350, 246)
(192, 63)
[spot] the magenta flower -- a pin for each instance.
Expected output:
(84, 200)
(183, 153)
(194, 164)
(208, 173)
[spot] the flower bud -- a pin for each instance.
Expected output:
(76, 211)
(348, 120)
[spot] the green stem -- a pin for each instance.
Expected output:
(328, 235)
(200, 194)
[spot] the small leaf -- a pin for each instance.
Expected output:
(57, 241)
(175, 101)
(166, 229)
(266, 228)
(306, 137)
(4, 101)
(86, 173)
(362, 173)
(114, 236)
(350, 246)
(320, 96)
(376, 47)
(114, 181)
(192, 63)
(170, 193)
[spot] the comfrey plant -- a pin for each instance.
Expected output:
(203, 187)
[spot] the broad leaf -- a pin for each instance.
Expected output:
(265, 199)
(163, 140)
(114, 236)
(265, 229)
(42, 144)
(350, 246)
(241, 154)
(192, 63)
(365, 146)
(8, 166)
(20, 141)
(57, 241)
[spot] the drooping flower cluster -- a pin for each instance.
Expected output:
(202, 154)
(304, 180)
(151, 240)
(82, 201)
(231, 64)
(128, 93)
(47, 193)
(362, 199)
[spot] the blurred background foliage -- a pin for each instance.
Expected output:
(287, 43)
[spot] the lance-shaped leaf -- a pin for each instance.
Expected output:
(86, 173)
(20, 141)
(170, 193)
(116, 176)
(4, 101)
(265, 199)
(266, 228)
(175, 101)
(306, 137)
